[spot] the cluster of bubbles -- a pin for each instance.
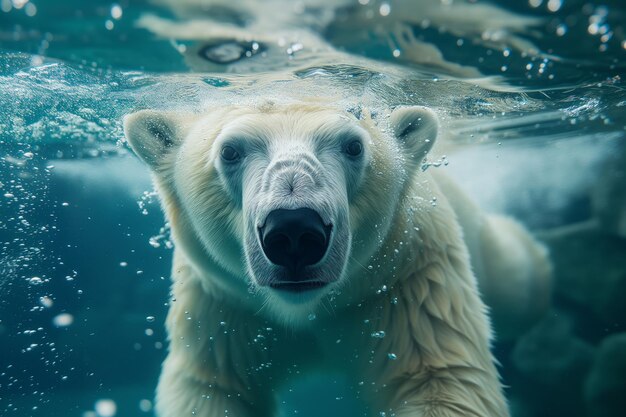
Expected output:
(598, 26)
(116, 14)
(107, 407)
(28, 7)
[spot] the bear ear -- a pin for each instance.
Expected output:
(153, 134)
(416, 129)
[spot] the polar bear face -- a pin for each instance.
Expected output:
(293, 175)
(289, 201)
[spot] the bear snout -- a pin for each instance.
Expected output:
(294, 239)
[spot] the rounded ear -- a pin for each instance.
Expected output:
(416, 129)
(153, 134)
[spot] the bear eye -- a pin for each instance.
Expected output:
(354, 148)
(229, 154)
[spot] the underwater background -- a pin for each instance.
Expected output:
(533, 107)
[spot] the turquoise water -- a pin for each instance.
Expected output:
(533, 106)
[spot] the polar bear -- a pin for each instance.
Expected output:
(306, 236)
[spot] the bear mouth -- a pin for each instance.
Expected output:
(298, 286)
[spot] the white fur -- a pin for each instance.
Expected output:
(398, 263)
(513, 271)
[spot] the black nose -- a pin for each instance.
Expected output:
(294, 238)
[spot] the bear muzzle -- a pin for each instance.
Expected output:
(294, 240)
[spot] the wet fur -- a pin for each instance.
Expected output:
(435, 322)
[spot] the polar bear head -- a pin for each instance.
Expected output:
(284, 203)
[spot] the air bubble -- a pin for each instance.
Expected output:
(46, 301)
(554, 5)
(63, 320)
(145, 405)
(105, 408)
(18, 4)
(35, 281)
(384, 9)
(116, 11)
